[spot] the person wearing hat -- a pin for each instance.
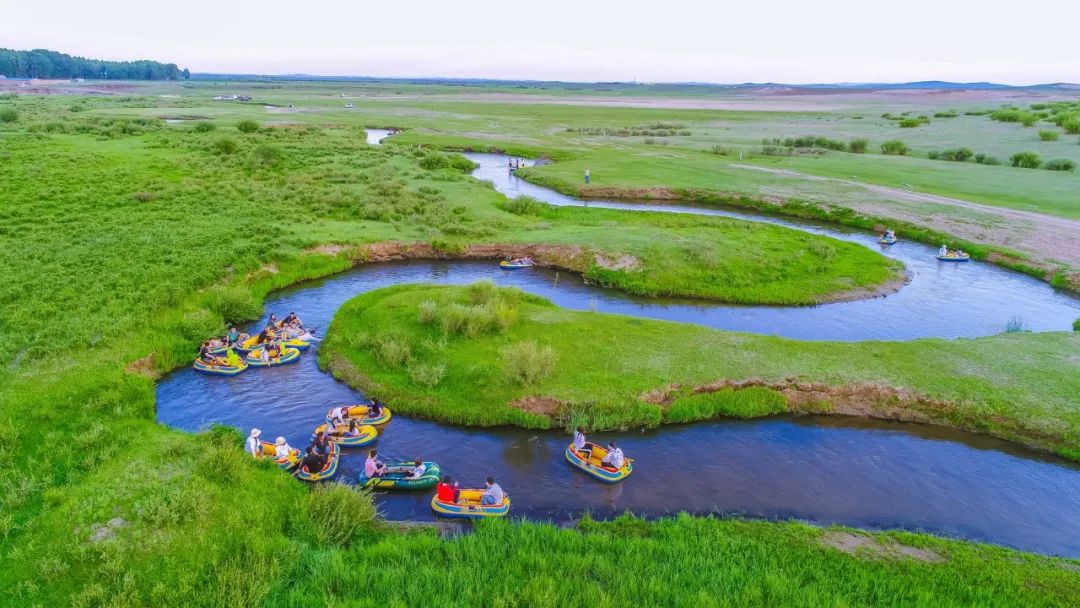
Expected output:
(282, 449)
(252, 445)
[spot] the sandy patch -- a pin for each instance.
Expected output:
(538, 404)
(622, 262)
(332, 249)
(869, 547)
(144, 367)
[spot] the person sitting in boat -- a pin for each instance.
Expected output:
(375, 409)
(252, 446)
(944, 251)
(264, 336)
(272, 322)
(339, 413)
(291, 320)
(272, 350)
(582, 447)
(493, 495)
(232, 359)
(313, 461)
(207, 356)
(614, 458)
(373, 467)
(282, 449)
(321, 443)
(959, 253)
(353, 430)
(447, 491)
(418, 470)
(232, 336)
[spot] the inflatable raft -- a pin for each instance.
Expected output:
(359, 412)
(396, 477)
(952, 257)
(288, 355)
(468, 506)
(368, 434)
(288, 463)
(593, 465)
(327, 472)
(884, 240)
(512, 266)
(219, 370)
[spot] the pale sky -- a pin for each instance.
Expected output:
(792, 41)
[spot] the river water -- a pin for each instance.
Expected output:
(869, 474)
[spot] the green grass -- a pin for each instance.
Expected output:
(127, 240)
(1020, 386)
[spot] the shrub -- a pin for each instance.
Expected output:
(956, 155)
(266, 155)
(200, 324)
(858, 146)
(522, 205)
(427, 311)
(1059, 164)
(894, 146)
(391, 349)
(8, 115)
(911, 123)
(949, 114)
(338, 512)
(1048, 135)
(143, 197)
(1025, 160)
(204, 126)
(233, 303)
(225, 145)
(247, 126)
(1071, 125)
(433, 161)
(1076, 325)
(986, 159)
(1015, 325)
(1006, 115)
(527, 363)
(719, 150)
(427, 375)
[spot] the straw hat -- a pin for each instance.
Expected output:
(255, 432)
(280, 441)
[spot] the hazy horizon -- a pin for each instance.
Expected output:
(774, 41)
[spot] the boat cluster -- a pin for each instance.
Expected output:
(279, 343)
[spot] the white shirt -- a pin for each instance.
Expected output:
(418, 472)
(495, 492)
(615, 457)
(579, 440)
(283, 450)
(337, 413)
(252, 446)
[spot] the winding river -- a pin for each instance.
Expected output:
(869, 474)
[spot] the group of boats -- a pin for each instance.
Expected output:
(944, 254)
(269, 349)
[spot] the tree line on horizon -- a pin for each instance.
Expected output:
(42, 63)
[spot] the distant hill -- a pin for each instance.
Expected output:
(541, 84)
(42, 63)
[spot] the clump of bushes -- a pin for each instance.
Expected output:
(522, 205)
(9, 115)
(751, 402)
(339, 512)
(911, 123)
(233, 303)
(1025, 160)
(986, 159)
(858, 146)
(199, 325)
(433, 161)
(427, 375)
(806, 142)
(143, 197)
(894, 146)
(392, 349)
(266, 155)
(204, 126)
(1059, 164)
(487, 308)
(956, 155)
(1014, 115)
(527, 363)
(247, 126)
(719, 150)
(948, 114)
(1076, 325)
(225, 146)
(1048, 135)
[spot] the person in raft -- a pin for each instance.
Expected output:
(271, 351)
(418, 470)
(282, 449)
(581, 446)
(232, 336)
(353, 430)
(232, 359)
(493, 495)
(207, 356)
(614, 458)
(321, 443)
(313, 462)
(272, 322)
(251, 446)
(373, 467)
(264, 336)
(375, 409)
(944, 251)
(447, 491)
(291, 320)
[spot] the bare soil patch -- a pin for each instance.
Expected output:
(865, 546)
(538, 404)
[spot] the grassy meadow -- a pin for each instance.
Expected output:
(467, 355)
(136, 225)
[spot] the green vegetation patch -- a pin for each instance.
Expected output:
(617, 372)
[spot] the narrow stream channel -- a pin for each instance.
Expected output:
(868, 474)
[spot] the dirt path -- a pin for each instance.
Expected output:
(1048, 238)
